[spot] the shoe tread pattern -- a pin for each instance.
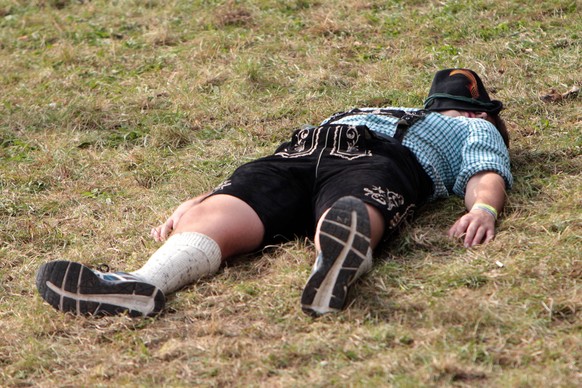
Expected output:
(335, 231)
(75, 278)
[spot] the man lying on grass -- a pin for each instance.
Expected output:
(349, 182)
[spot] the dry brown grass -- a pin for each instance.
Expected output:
(112, 113)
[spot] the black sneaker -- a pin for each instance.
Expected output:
(75, 288)
(345, 255)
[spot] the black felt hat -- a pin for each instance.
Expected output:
(460, 89)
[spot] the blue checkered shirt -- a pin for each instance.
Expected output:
(450, 149)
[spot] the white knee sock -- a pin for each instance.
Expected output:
(183, 259)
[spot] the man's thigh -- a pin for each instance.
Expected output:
(229, 221)
(279, 190)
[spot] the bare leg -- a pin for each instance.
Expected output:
(218, 227)
(210, 231)
(229, 221)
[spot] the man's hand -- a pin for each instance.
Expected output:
(161, 232)
(484, 196)
(475, 227)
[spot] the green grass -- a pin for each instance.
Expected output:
(113, 112)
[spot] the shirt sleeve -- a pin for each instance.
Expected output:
(484, 150)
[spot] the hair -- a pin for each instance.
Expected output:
(501, 127)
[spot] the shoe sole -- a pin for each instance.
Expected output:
(344, 239)
(74, 288)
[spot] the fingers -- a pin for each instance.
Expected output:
(473, 228)
(167, 229)
(162, 232)
(155, 233)
(474, 235)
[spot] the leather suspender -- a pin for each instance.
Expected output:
(405, 119)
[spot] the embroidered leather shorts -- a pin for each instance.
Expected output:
(292, 188)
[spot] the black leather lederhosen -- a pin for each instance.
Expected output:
(290, 189)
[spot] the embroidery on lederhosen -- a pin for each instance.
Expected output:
(384, 197)
(398, 218)
(391, 200)
(221, 186)
(303, 143)
(348, 142)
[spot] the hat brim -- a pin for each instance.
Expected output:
(446, 104)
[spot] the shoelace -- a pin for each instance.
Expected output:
(104, 272)
(103, 267)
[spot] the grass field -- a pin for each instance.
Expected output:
(113, 112)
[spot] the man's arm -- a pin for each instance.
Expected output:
(484, 191)
(161, 232)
